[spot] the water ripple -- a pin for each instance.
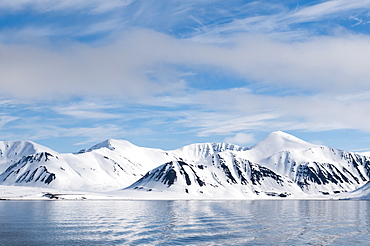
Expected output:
(184, 222)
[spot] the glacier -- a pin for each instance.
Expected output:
(281, 166)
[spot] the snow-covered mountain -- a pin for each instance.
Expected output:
(219, 175)
(111, 164)
(281, 165)
(13, 151)
(316, 169)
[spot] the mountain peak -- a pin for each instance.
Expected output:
(280, 135)
(283, 137)
(13, 151)
(279, 141)
(111, 144)
(21, 148)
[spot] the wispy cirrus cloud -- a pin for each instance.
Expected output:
(5, 119)
(283, 23)
(223, 123)
(64, 5)
(325, 9)
(205, 21)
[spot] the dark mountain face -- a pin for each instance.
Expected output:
(31, 168)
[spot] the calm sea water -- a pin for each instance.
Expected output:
(185, 222)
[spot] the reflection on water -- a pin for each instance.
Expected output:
(184, 222)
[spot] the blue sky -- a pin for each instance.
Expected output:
(169, 73)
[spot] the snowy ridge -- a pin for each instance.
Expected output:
(112, 164)
(321, 169)
(281, 165)
(203, 150)
(360, 193)
(13, 151)
(111, 144)
(288, 165)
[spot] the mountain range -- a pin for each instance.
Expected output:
(279, 166)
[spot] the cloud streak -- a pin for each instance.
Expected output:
(5, 119)
(64, 5)
(325, 9)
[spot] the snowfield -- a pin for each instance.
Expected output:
(279, 167)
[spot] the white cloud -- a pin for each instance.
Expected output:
(120, 69)
(327, 67)
(241, 138)
(89, 115)
(227, 112)
(355, 96)
(87, 110)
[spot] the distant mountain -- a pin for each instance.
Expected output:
(281, 165)
(111, 164)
